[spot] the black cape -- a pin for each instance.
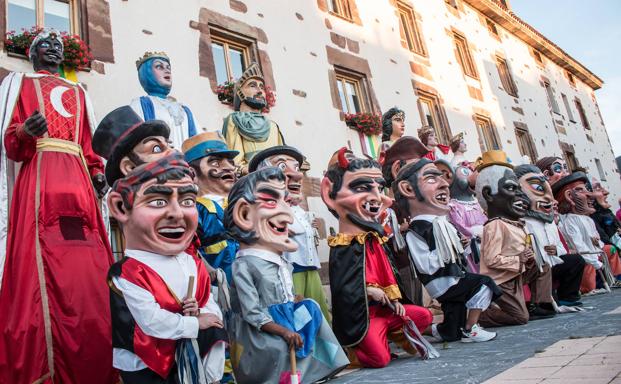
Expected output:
(350, 311)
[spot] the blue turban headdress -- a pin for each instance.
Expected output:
(148, 81)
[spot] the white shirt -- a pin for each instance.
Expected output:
(457, 159)
(546, 234)
(173, 114)
(284, 268)
(303, 234)
(149, 316)
(427, 261)
(578, 230)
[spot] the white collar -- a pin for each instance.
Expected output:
(263, 254)
(144, 256)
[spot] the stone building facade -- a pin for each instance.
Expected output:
(467, 66)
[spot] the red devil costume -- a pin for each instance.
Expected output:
(361, 261)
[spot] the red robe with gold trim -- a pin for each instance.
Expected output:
(54, 311)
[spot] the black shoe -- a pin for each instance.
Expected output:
(535, 312)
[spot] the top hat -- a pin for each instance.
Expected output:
(494, 157)
(206, 144)
(118, 133)
(405, 148)
(272, 151)
(569, 179)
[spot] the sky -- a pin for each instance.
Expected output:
(590, 32)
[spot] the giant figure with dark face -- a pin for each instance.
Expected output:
(436, 251)
(248, 130)
(266, 321)
(506, 251)
(575, 205)
(155, 76)
(53, 294)
(367, 300)
(566, 268)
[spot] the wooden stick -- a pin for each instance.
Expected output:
(190, 291)
(294, 369)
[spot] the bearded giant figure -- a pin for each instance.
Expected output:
(248, 130)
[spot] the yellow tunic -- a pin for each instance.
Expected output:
(247, 148)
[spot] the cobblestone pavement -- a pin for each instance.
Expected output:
(475, 363)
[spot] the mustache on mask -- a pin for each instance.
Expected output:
(220, 175)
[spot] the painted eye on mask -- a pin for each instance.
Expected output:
(465, 171)
(159, 203)
(282, 166)
(157, 149)
(188, 203)
(537, 187)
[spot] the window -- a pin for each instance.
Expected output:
(488, 138)
(340, 8)
(351, 92)
(230, 56)
(463, 55)
(61, 15)
(537, 57)
(571, 78)
(431, 114)
(410, 35)
(570, 159)
(600, 169)
(583, 117)
(491, 27)
(551, 99)
(525, 143)
(505, 77)
(567, 108)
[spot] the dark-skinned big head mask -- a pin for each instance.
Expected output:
(460, 187)
(499, 193)
(47, 52)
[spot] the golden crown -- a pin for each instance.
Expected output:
(457, 138)
(425, 131)
(252, 72)
(149, 55)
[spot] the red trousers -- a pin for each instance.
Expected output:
(373, 350)
(588, 277)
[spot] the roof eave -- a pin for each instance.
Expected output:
(512, 23)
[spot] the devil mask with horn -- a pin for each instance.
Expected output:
(352, 190)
